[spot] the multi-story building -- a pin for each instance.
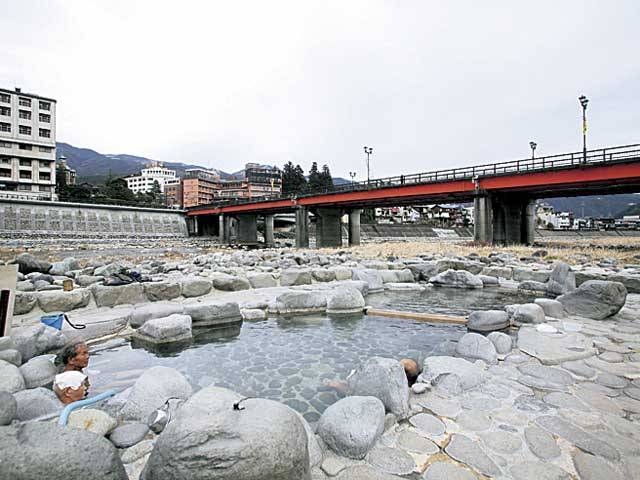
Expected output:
(173, 194)
(262, 181)
(199, 187)
(27, 145)
(68, 173)
(149, 176)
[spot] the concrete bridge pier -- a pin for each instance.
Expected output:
(329, 227)
(504, 219)
(227, 229)
(247, 232)
(354, 227)
(221, 224)
(269, 240)
(483, 219)
(302, 227)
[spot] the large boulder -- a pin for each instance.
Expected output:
(11, 379)
(323, 275)
(595, 299)
(435, 368)
(213, 312)
(111, 268)
(209, 439)
(456, 279)
(371, 276)
(345, 300)
(552, 308)
(98, 323)
(142, 313)
(562, 279)
(37, 402)
(525, 313)
(488, 320)
(46, 450)
(109, 296)
(61, 301)
(66, 265)
(501, 272)
(456, 264)
(295, 276)
(383, 378)
(261, 280)
(88, 280)
(629, 280)
(27, 263)
(92, 420)
(521, 274)
(341, 273)
(8, 408)
(38, 372)
(174, 328)
(229, 283)
(37, 339)
(501, 341)
(423, 271)
(351, 426)
(196, 286)
(154, 387)
(300, 301)
(24, 302)
(166, 290)
(477, 347)
(129, 434)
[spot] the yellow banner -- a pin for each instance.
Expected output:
(584, 127)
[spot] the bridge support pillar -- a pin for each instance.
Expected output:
(302, 227)
(513, 219)
(354, 227)
(269, 240)
(195, 226)
(221, 224)
(483, 219)
(247, 228)
(329, 228)
(226, 231)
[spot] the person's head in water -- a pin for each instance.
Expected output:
(70, 386)
(74, 357)
(411, 370)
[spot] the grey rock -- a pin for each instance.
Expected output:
(341, 273)
(66, 265)
(540, 471)
(383, 378)
(88, 280)
(34, 450)
(12, 356)
(142, 313)
(412, 442)
(196, 286)
(6, 343)
(579, 368)
(447, 471)
(488, 320)
(27, 263)
(590, 467)
(531, 286)
(541, 443)
(564, 400)
(553, 349)
(111, 268)
(475, 421)
(456, 279)
(562, 279)
(37, 339)
(391, 460)
(371, 277)
(61, 301)
(467, 451)
(313, 445)
(262, 280)
(253, 314)
(501, 442)
(610, 380)
(595, 299)
(345, 300)
(213, 312)
(38, 372)
(523, 274)
(229, 283)
(98, 323)
(428, 424)
(137, 451)
(8, 408)
(501, 272)
(550, 375)
(474, 346)
(423, 271)
(24, 302)
(441, 407)
(25, 286)
(488, 281)
(364, 472)
(351, 426)
(525, 313)
(480, 404)
(470, 374)
(300, 301)
(152, 390)
(173, 328)
(11, 379)
(332, 466)
(581, 439)
(36, 402)
(291, 277)
(92, 420)
(462, 265)
(323, 275)
(263, 440)
(552, 308)
(502, 342)
(110, 296)
(129, 434)
(631, 282)
(166, 290)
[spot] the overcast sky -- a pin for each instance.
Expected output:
(427, 84)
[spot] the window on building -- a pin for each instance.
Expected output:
(4, 98)
(24, 130)
(25, 163)
(24, 146)
(24, 102)
(6, 145)
(5, 127)
(44, 176)
(24, 188)
(42, 164)
(4, 173)
(25, 175)
(44, 117)
(45, 105)
(44, 188)
(45, 149)
(24, 114)
(45, 133)
(6, 111)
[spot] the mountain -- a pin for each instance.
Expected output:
(597, 206)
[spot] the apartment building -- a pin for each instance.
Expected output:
(199, 187)
(27, 145)
(149, 176)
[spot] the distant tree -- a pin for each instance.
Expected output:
(368, 216)
(314, 183)
(116, 189)
(327, 180)
(293, 180)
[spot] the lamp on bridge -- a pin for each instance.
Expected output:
(584, 101)
(533, 146)
(352, 175)
(368, 151)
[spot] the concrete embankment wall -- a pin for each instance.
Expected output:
(409, 230)
(22, 218)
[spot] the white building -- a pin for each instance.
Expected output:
(148, 176)
(27, 145)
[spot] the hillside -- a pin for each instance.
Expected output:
(596, 206)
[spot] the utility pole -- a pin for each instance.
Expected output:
(584, 101)
(368, 151)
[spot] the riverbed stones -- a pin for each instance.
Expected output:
(456, 279)
(410, 441)
(501, 441)
(521, 274)
(195, 286)
(323, 275)
(11, 379)
(525, 313)
(154, 387)
(173, 328)
(92, 420)
(528, 470)
(552, 308)
(88, 280)
(371, 277)
(229, 283)
(347, 300)
(391, 460)
(61, 301)
(36, 402)
(436, 367)
(24, 302)
(27, 263)
(253, 314)
(142, 313)
(448, 471)
(543, 377)
(364, 472)
(467, 451)
(552, 349)
(590, 467)
(46, 450)
(37, 339)
(262, 280)
(595, 299)
(64, 266)
(8, 408)
(541, 443)
(441, 407)
(291, 277)
(351, 426)
(383, 378)
(166, 290)
(12, 356)
(502, 342)
(129, 434)
(213, 312)
(38, 372)
(110, 296)
(488, 320)
(300, 302)
(474, 346)
(429, 425)
(561, 280)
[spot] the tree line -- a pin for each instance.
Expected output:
(294, 180)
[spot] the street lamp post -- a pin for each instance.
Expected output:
(584, 101)
(352, 175)
(368, 151)
(533, 146)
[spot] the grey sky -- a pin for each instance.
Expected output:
(428, 84)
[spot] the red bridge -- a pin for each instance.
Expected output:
(503, 196)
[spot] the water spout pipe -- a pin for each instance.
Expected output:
(64, 416)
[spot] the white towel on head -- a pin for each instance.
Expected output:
(73, 379)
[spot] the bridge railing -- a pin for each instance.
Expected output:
(562, 161)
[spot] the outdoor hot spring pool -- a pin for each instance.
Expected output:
(288, 359)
